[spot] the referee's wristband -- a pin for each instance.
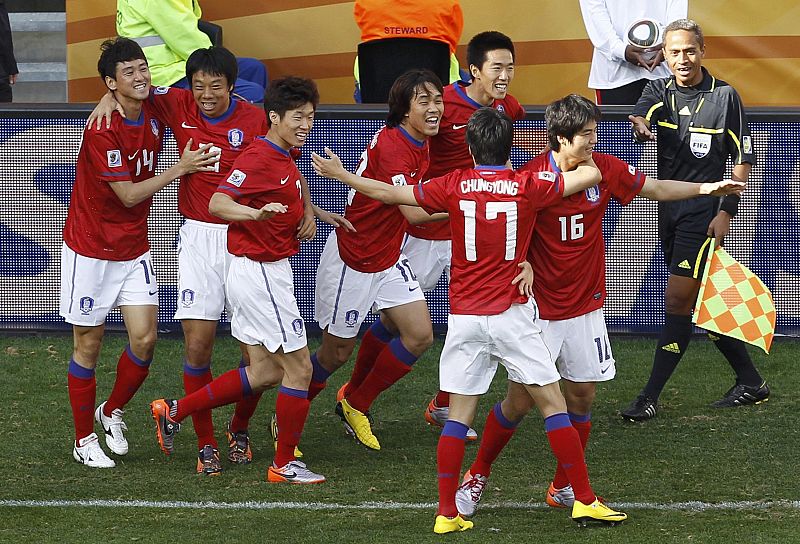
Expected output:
(730, 204)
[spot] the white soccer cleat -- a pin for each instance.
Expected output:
(469, 493)
(87, 450)
(437, 416)
(113, 427)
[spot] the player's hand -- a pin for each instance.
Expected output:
(334, 219)
(331, 167)
(641, 130)
(103, 110)
(308, 226)
(524, 280)
(201, 159)
(719, 227)
(722, 188)
(12, 79)
(269, 210)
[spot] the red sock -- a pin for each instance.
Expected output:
(449, 456)
(319, 378)
(566, 446)
(582, 424)
(131, 372)
(496, 434)
(245, 409)
(394, 362)
(194, 379)
(291, 410)
(82, 388)
(375, 339)
(442, 399)
(225, 389)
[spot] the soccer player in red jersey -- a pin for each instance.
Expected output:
(208, 113)
(491, 63)
(262, 198)
(105, 259)
(567, 252)
(492, 215)
(366, 270)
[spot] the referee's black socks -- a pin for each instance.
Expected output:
(672, 344)
(736, 353)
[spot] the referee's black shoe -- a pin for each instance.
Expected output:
(641, 409)
(742, 395)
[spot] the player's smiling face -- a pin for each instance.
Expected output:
(212, 93)
(132, 80)
(292, 129)
(582, 144)
(427, 107)
(491, 80)
(684, 56)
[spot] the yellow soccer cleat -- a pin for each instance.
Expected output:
(357, 425)
(273, 429)
(445, 525)
(597, 511)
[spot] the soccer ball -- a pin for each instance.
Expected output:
(647, 34)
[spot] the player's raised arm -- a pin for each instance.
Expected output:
(332, 167)
(195, 160)
(224, 207)
(584, 176)
(669, 189)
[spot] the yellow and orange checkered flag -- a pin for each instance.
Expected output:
(734, 302)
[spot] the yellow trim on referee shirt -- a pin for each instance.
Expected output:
(699, 260)
(738, 147)
(652, 109)
(707, 130)
(700, 104)
(668, 125)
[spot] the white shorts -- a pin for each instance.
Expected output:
(203, 262)
(265, 311)
(344, 296)
(90, 288)
(476, 343)
(428, 258)
(581, 348)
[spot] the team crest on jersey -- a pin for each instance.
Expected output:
(501, 108)
(700, 144)
(593, 194)
(399, 180)
(631, 170)
(187, 297)
(235, 137)
(86, 304)
(297, 327)
(161, 90)
(154, 127)
(237, 178)
(114, 158)
(747, 145)
(351, 318)
(548, 176)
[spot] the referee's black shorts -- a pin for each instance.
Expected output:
(683, 231)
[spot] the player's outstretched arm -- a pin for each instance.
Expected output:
(224, 207)
(191, 161)
(333, 219)
(670, 189)
(332, 167)
(584, 176)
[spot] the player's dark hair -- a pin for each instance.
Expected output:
(688, 25)
(403, 91)
(215, 61)
(489, 135)
(567, 116)
(290, 93)
(114, 51)
(480, 45)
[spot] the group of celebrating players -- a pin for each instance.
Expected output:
(523, 251)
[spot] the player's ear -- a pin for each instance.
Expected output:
(274, 117)
(111, 83)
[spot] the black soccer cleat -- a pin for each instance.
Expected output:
(742, 395)
(641, 409)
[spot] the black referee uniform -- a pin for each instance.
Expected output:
(698, 129)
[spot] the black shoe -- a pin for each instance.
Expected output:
(742, 395)
(641, 409)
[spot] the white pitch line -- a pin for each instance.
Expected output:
(695, 506)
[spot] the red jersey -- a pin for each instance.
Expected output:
(492, 214)
(396, 158)
(449, 149)
(231, 133)
(98, 223)
(567, 249)
(264, 173)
